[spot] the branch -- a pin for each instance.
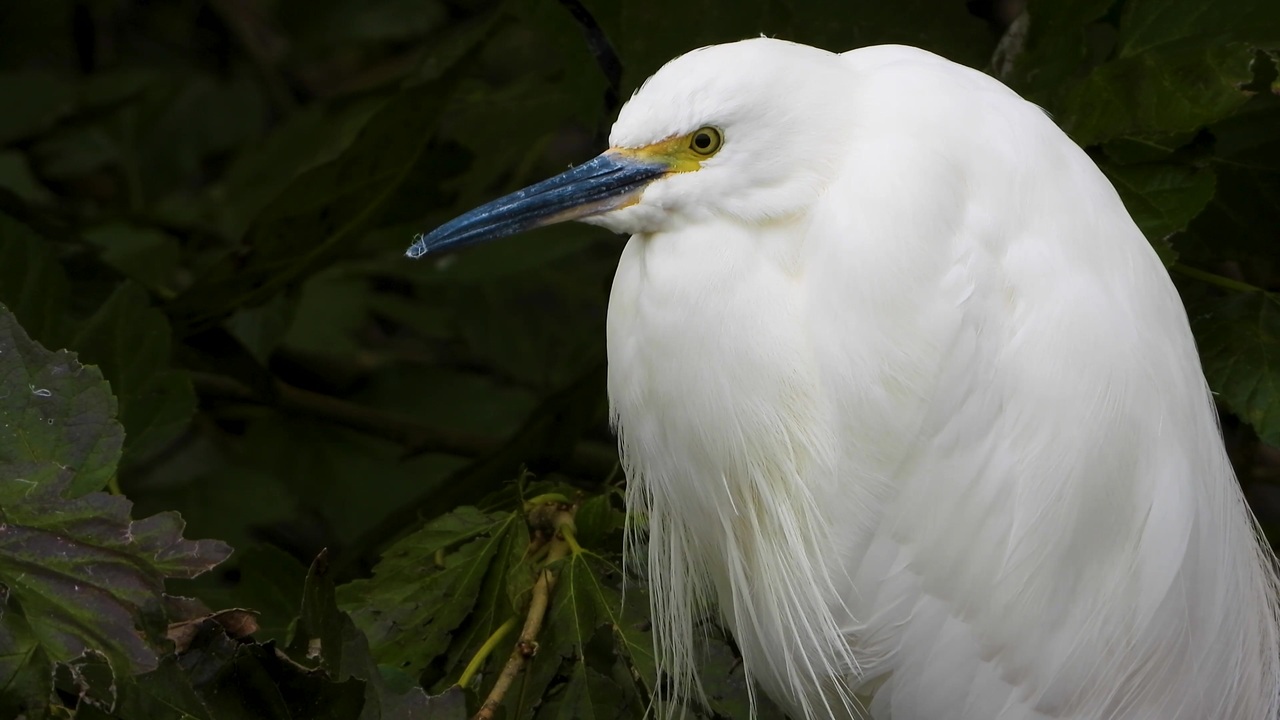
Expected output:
(399, 429)
(1214, 279)
(589, 460)
(527, 646)
(601, 48)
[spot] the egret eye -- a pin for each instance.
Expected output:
(706, 141)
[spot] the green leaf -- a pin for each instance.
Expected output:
(57, 416)
(496, 603)
(15, 175)
(333, 678)
(324, 633)
(345, 22)
(130, 340)
(198, 115)
(588, 695)
(1251, 138)
(426, 585)
(262, 328)
(1239, 340)
(725, 682)
(314, 220)
(1173, 88)
(598, 521)
(32, 282)
(78, 575)
(260, 684)
(584, 617)
(143, 254)
(1163, 198)
(26, 670)
(546, 439)
(267, 580)
(330, 310)
(1146, 24)
(327, 636)
(453, 44)
(414, 704)
(262, 170)
(90, 680)
(32, 101)
(165, 693)
(1240, 222)
(635, 636)
(1049, 45)
(583, 602)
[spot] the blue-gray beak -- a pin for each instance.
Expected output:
(607, 182)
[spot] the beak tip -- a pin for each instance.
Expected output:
(418, 248)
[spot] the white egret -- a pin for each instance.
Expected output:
(907, 399)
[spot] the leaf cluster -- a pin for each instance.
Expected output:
(203, 206)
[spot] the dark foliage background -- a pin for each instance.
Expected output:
(206, 204)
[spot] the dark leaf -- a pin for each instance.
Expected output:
(1049, 45)
(1172, 88)
(129, 340)
(58, 416)
(725, 682)
(265, 579)
(426, 585)
(263, 169)
(32, 282)
(236, 623)
(145, 255)
(79, 575)
(260, 684)
(498, 600)
(325, 635)
(32, 101)
(1146, 24)
(1239, 340)
(16, 176)
(587, 695)
(1163, 198)
(162, 694)
(598, 520)
(313, 221)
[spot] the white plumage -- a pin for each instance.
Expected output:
(905, 397)
(904, 391)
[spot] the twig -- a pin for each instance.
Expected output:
(389, 426)
(527, 646)
(588, 460)
(601, 48)
(482, 654)
(1214, 279)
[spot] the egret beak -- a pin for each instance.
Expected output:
(607, 182)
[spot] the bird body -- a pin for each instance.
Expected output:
(905, 398)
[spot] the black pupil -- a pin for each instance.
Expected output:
(702, 140)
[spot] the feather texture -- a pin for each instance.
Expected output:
(904, 395)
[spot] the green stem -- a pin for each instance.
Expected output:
(483, 653)
(544, 499)
(566, 532)
(1214, 279)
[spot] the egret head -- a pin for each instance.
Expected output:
(728, 130)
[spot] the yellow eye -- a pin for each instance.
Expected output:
(706, 141)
